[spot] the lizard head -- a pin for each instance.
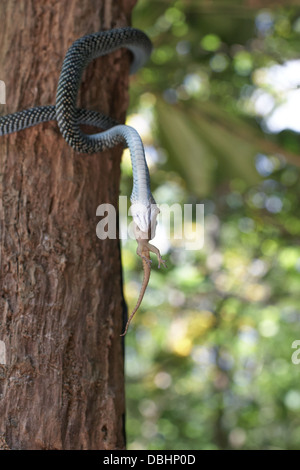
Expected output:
(144, 216)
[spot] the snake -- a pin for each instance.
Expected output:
(69, 118)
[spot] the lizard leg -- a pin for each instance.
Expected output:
(155, 250)
(143, 252)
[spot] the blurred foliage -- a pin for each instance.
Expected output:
(208, 355)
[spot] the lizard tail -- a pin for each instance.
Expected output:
(147, 271)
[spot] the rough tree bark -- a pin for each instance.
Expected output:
(61, 298)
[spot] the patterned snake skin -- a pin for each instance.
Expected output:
(69, 118)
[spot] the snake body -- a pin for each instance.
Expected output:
(69, 118)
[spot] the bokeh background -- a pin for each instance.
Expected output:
(209, 353)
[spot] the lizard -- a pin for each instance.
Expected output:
(143, 237)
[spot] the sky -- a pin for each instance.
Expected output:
(277, 97)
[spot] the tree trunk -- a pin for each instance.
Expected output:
(61, 304)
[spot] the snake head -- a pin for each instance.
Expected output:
(144, 216)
